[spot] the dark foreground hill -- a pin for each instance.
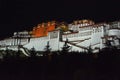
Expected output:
(71, 66)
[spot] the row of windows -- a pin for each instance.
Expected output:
(95, 30)
(114, 26)
(80, 28)
(78, 34)
(85, 28)
(85, 24)
(44, 38)
(98, 29)
(53, 35)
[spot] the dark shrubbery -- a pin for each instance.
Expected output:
(104, 65)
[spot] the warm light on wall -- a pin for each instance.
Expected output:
(43, 29)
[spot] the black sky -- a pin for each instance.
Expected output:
(18, 15)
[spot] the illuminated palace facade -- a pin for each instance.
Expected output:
(80, 35)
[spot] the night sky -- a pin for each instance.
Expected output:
(19, 15)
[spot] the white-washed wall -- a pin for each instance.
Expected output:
(40, 43)
(114, 32)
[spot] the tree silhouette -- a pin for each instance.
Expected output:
(66, 47)
(90, 50)
(32, 52)
(7, 54)
(18, 52)
(108, 44)
(47, 49)
(119, 42)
